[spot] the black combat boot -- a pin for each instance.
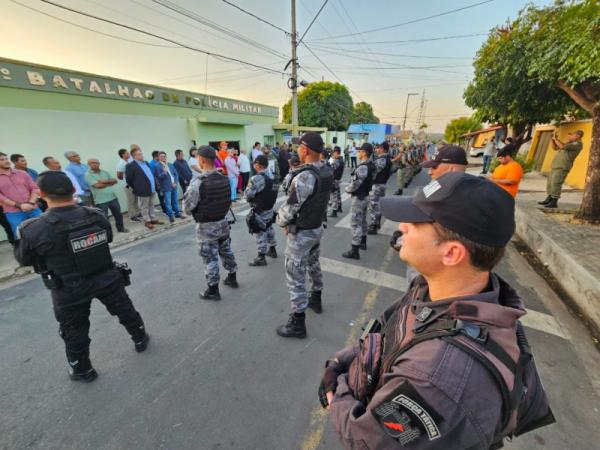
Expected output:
(141, 343)
(363, 243)
(372, 230)
(258, 261)
(212, 293)
(314, 302)
(545, 201)
(553, 203)
(339, 209)
(82, 370)
(398, 192)
(295, 326)
(272, 253)
(231, 280)
(333, 213)
(352, 253)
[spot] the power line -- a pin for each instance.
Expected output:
(147, 33)
(324, 47)
(215, 26)
(313, 21)
(457, 36)
(256, 17)
(389, 27)
(91, 29)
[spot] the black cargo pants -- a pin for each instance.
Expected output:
(74, 321)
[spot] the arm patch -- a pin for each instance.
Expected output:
(405, 416)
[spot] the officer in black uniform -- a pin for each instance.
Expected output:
(68, 246)
(382, 165)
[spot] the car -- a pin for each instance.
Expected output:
(476, 151)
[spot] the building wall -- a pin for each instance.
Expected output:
(578, 173)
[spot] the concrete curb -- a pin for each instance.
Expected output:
(577, 281)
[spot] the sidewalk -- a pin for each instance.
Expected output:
(570, 252)
(9, 268)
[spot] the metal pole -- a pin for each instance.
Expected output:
(294, 74)
(406, 110)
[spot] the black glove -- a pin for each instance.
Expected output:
(394, 241)
(329, 381)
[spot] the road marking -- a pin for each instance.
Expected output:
(387, 226)
(320, 416)
(533, 319)
(362, 273)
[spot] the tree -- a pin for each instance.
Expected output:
(322, 104)
(363, 113)
(457, 127)
(502, 91)
(563, 50)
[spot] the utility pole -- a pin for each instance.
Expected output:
(406, 109)
(294, 80)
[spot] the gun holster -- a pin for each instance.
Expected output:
(125, 272)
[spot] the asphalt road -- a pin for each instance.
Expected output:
(217, 376)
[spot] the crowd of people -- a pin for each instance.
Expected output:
(421, 373)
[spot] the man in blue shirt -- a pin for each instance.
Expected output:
(167, 179)
(183, 170)
(161, 195)
(20, 163)
(78, 170)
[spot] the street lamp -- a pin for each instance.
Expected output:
(406, 109)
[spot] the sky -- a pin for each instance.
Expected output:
(344, 44)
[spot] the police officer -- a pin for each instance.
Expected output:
(335, 199)
(432, 384)
(208, 200)
(360, 187)
(294, 163)
(68, 246)
(382, 165)
(400, 160)
(301, 217)
(261, 193)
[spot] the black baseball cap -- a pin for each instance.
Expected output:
(449, 154)
(336, 149)
(294, 159)
(473, 207)
(384, 145)
(367, 148)
(206, 151)
(262, 160)
(314, 141)
(55, 182)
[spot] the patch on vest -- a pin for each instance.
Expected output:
(405, 416)
(81, 244)
(431, 188)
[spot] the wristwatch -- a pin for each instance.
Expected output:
(17, 205)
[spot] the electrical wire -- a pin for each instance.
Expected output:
(257, 17)
(311, 23)
(182, 45)
(389, 27)
(354, 51)
(91, 29)
(405, 41)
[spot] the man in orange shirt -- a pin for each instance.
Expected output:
(509, 173)
(222, 154)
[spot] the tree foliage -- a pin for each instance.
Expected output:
(363, 113)
(502, 90)
(457, 127)
(322, 104)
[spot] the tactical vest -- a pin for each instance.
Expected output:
(503, 351)
(384, 175)
(339, 170)
(367, 184)
(83, 247)
(313, 210)
(265, 199)
(215, 198)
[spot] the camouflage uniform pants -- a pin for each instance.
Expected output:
(374, 211)
(358, 218)
(265, 239)
(555, 180)
(335, 198)
(400, 178)
(302, 259)
(214, 242)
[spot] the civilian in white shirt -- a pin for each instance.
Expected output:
(54, 165)
(193, 162)
(244, 165)
(232, 173)
(133, 208)
(256, 151)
